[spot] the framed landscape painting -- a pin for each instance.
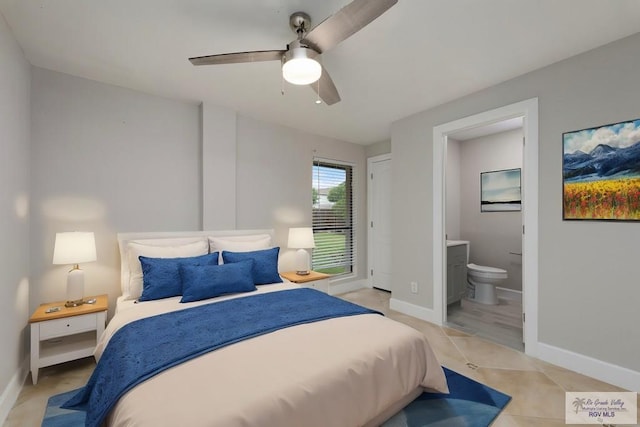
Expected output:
(601, 173)
(500, 191)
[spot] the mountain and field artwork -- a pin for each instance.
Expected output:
(601, 173)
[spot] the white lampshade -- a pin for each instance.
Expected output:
(74, 247)
(299, 69)
(301, 238)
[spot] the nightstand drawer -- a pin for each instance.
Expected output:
(67, 326)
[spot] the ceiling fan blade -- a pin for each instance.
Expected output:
(328, 92)
(238, 57)
(346, 22)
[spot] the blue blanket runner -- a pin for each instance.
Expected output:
(149, 346)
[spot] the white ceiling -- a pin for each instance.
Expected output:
(419, 54)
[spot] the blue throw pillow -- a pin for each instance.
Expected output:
(265, 264)
(209, 281)
(161, 276)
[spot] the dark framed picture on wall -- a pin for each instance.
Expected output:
(500, 191)
(601, 173)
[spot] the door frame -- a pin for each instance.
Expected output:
(528, 109)
(370, 162)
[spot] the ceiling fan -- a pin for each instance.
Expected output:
(299, 59)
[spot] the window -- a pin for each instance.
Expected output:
(333, 218)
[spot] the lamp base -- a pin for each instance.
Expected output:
(75, 303)
(302, 262)
(75, 287)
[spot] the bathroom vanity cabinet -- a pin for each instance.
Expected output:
(457, 253)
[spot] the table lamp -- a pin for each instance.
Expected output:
(73, 248)
(301, 238)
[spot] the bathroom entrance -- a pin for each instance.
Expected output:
(483, 224)
(505, 248)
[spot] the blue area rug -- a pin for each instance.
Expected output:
(54, 416)
(470, 404)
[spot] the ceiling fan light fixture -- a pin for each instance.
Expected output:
(299, 60)
(299, 69)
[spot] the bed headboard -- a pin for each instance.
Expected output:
(164, 238)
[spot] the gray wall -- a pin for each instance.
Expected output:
(14, 213)
(377, 149)
(588, 280)
(274, 181)
(108, 160)
(493, 235)
(219, 159)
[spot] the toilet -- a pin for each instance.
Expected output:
(482, 281)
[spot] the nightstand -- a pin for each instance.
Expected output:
(315, 280)
(67, 334)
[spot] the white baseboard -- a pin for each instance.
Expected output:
(344, 287)
(414, 310)
(603, 371)
(12, 391)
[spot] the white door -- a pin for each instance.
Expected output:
(380, 222)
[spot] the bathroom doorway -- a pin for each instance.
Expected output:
(483, 221)
(528, 110)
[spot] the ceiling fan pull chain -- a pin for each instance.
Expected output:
(282, 77)
(318, 100)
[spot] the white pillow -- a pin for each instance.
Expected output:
(253, 242)
(136, 250)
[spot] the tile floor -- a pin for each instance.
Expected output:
(537, 388)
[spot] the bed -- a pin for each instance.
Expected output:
(350, 370)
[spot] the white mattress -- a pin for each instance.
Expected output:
(337, 372)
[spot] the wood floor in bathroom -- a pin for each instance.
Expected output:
(500, 323)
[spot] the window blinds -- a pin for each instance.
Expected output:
(333, 217)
